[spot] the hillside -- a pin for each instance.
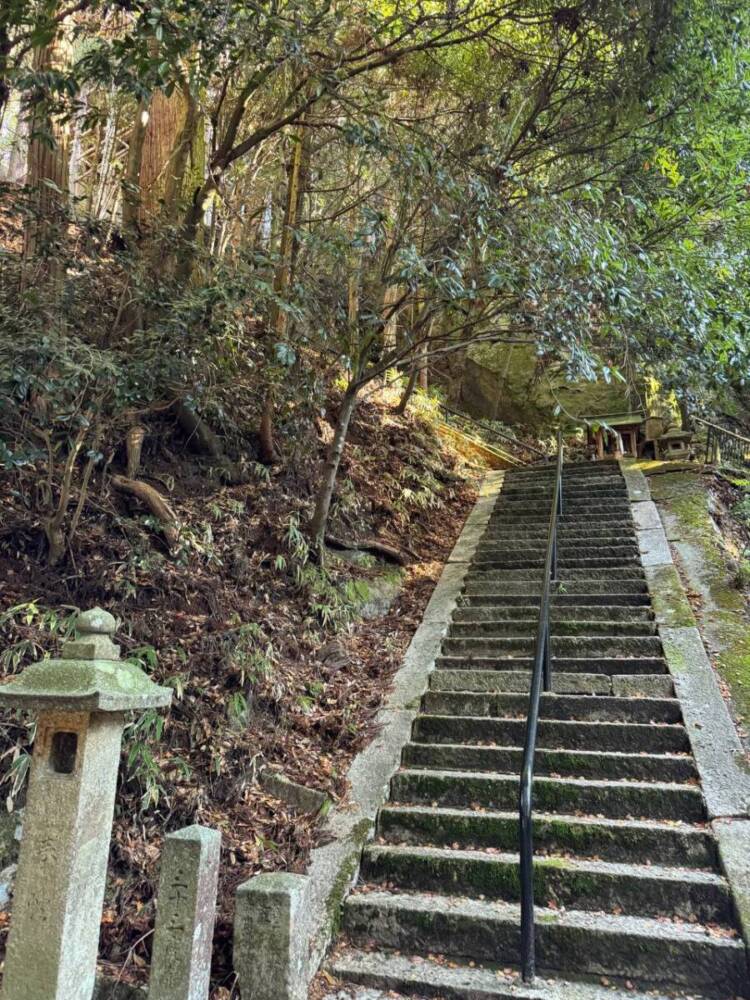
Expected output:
(269, 657)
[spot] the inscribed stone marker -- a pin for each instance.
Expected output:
(270, 946)
(81, 700)
(186, 908)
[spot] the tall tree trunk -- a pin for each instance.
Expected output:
(162, 142)
(47, 178)
(131, 183)
(164, 138)
(331, 468)
(283, 282)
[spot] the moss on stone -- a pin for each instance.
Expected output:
(686, 501)
(345, 876)
(670, 602)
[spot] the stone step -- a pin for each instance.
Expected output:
(560, 613)
(663, 843)
(612, 666)
(527, 627)
(611, 575)
(572, 501)
(616, 523)
(570, 707)
(572, 883)
(593, 470)
(566, 763)
(592, 540)
(657, 951)
(594, 549)
(577, 646)
(567, 526)
(538, 539)
(519, 681)
(574, 596)
(600, 483)
(522, 560)
(573, 509)
(553, 734)
(618, 799)
(571, 491)
(576, 591)
(384, 975)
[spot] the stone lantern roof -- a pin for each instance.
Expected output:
(89, 676)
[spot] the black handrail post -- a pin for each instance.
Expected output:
(541, 678)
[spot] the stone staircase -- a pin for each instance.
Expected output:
(630, 897)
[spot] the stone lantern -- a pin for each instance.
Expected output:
(81, 701)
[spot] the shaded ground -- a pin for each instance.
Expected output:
(266, 653)
(708, 542)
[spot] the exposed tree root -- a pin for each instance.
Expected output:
(376, 547)
(155, 502)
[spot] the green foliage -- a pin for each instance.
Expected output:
(575, 178)
(142, 766)
(251, 654)
(27, 631)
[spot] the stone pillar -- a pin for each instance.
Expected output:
(270, 940)
(181, 960)
(81, 702)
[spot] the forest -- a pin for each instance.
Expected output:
(244, 250)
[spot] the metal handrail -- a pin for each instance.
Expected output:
(723, 445)
(492, 431)
(724, 430)
(541, 678)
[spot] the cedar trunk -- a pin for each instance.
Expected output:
(47, 178)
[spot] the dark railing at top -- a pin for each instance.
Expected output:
(724, 446)
(490, 431)
(541, 678)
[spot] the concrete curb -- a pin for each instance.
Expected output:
(314, 899)
(716, 747)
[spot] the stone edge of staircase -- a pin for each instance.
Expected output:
(718, 752)
(284, 922)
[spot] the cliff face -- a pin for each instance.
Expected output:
(513, 384)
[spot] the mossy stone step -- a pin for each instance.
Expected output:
(615, 522)
(570, 707)
(532, 560)
(578, 646)
(614, 483)
(399, 975)
(656, 951)
(560, 613)
(566, 575)
(567, 763)
(572, 597)
(554, 734)
(618, 799)
(576, 591)
(533, 542)
(499, 681)
(587, 544)
(524, 509)
(663, 843)
(579, 884)
(648, 666)
(559, 627)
